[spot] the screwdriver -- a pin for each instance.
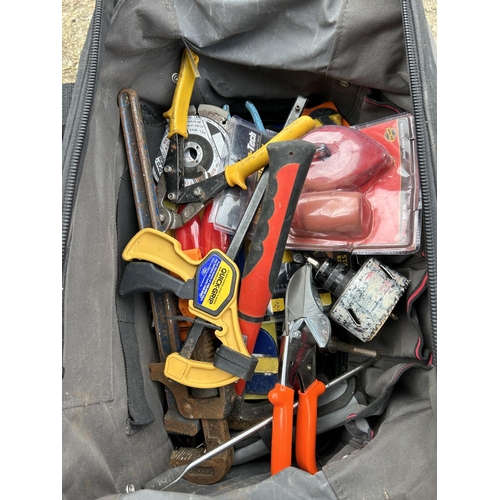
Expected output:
(171, 476)
(335, 345)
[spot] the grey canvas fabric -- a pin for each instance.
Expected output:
(260, 50)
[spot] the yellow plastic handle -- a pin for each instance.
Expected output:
(160, 249)
(230, 332)
(199, 374)
(178, 113)
(239, 171)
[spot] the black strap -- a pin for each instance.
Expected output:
(341, 401)
(140, 413)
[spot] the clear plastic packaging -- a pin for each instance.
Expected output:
(341, 214)
(346, 159)
(362, 202)
(230, 205)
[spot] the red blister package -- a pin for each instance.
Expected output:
(346, 159)
(380, 196)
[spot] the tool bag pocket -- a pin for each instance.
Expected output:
(376, 430)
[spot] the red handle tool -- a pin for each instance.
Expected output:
(305, 434)
(211, 237)
(305, 326)
(281, 442)
(282, 398)
(289, 163)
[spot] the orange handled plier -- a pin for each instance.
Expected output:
(305, 326)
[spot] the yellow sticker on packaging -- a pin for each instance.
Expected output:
(278, 305)
(326, 298)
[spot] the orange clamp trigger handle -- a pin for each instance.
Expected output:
(305, 435)
(281, 397)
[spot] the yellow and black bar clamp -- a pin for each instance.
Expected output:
(211, 287)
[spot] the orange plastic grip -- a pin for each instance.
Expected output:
(305, 436)
(281, 397)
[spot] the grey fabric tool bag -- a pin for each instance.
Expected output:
(371, 59)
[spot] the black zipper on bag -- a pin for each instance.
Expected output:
(423, 130)
(70, 174)
(91, 77)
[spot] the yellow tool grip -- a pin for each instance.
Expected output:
(178, 113)
(161, 249)
(230, 333)
(199, 374)
(239, 171)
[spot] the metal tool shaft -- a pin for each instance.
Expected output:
(248, 216)
(171, 476)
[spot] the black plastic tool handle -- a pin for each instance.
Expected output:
(289, 163)
(146, 277)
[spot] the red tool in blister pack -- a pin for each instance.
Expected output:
(305, 327)
(197, 238)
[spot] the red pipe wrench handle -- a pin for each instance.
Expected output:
(289, 163)
(281, 397)
(305, 435)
